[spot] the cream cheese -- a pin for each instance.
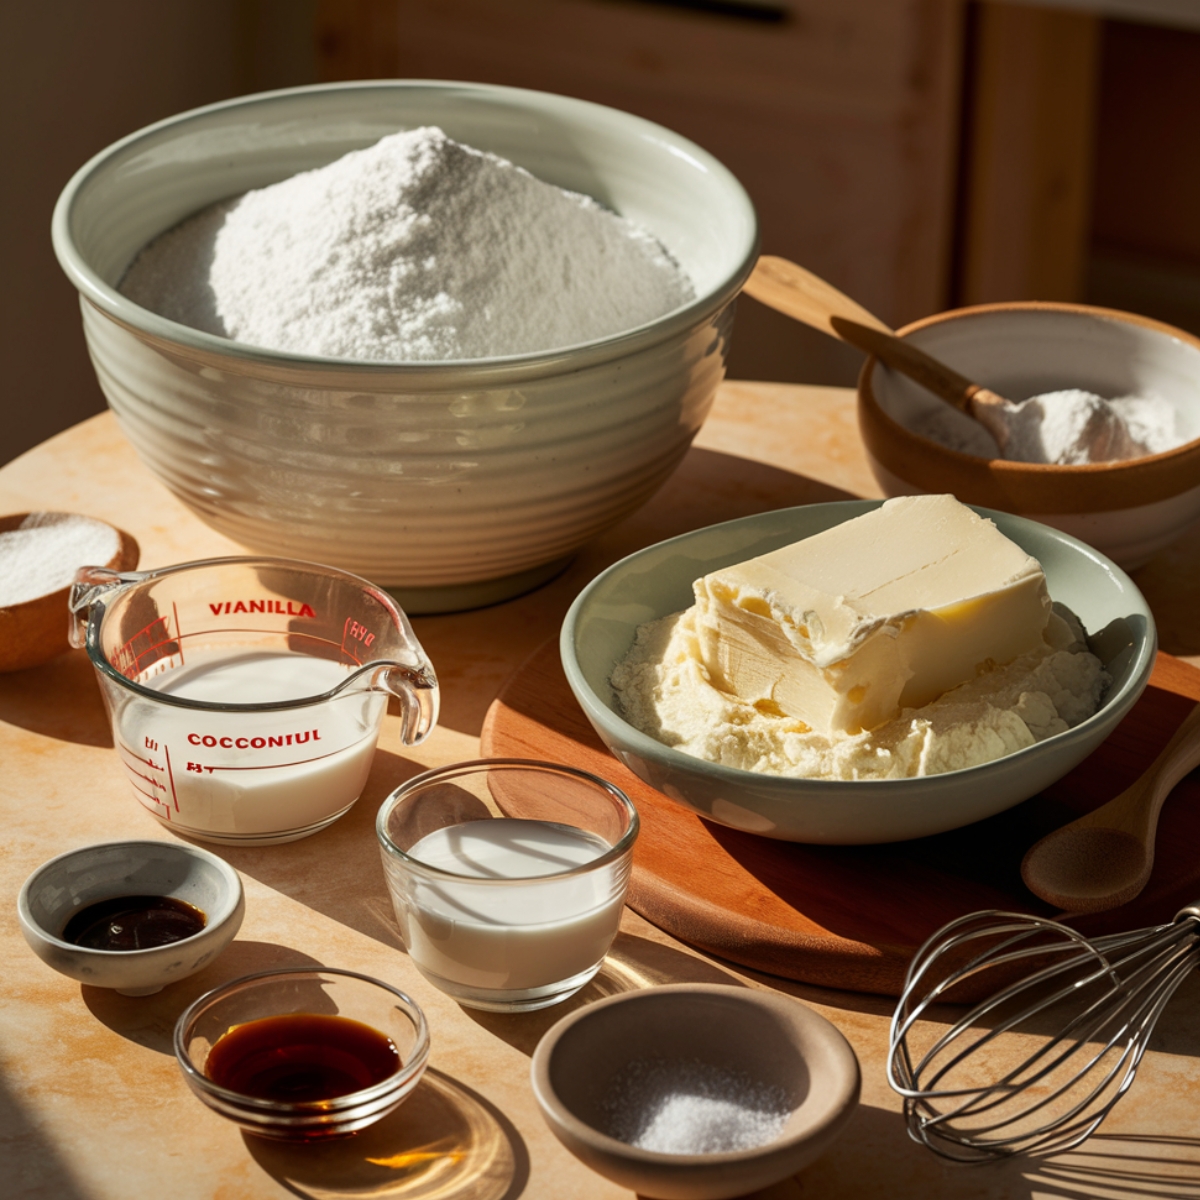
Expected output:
(843, 630)
(785, 662)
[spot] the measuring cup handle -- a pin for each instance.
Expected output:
(417, 690)
(94, 584)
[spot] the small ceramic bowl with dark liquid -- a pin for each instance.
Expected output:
(304, 1053)
(133, 916)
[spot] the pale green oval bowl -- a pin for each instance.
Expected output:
(601, 625)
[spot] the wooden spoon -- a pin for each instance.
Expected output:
(800, 294)
(1103, 859)
(35, 631)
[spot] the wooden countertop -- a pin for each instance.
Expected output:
(92, 1104)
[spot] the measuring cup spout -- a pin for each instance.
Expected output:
(95, 585)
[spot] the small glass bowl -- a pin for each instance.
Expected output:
(510, 913)
(304, 990)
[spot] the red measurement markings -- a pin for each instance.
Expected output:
(171, 774)
(148, 641)
(355, 637)
(179, 646)
(135, 775)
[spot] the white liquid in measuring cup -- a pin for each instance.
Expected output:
(517, 935)
(249, 777)
(257, 677)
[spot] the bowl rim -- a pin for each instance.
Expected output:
(410, 1070)
(231, 901)
(838, 1097)
(890, 792)
(175, 337)
(1031, 487)
(621, 848)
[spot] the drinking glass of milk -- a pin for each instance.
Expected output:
(246, 695)
(507, 877)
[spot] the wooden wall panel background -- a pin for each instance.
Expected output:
(841, 119)
(1145, 238)
(1031, 113)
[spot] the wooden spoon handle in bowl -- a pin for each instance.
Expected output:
(790, 289)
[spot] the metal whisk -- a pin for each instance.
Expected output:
(1037, 1065)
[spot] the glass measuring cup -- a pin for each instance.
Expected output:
(246, 695)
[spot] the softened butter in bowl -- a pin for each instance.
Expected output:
(602, 626)
(912, 640)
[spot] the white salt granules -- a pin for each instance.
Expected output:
(417, 248)
(1068, 427)
(42, 554)
(679, 1106)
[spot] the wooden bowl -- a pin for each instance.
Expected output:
(35, 631)
(1127, 510)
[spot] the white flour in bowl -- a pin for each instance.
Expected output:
(417, 248)
(1068, 428)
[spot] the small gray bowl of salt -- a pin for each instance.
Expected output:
(695, 1091)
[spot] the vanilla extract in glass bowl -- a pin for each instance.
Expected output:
(309, 1057)
(303, 1054)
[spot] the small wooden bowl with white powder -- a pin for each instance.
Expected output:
(39, 555)
(1127, 509)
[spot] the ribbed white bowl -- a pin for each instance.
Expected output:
(453, 483)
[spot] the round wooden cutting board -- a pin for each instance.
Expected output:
(852, 916)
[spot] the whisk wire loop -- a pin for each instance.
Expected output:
(1039, 1062)
(994, 956)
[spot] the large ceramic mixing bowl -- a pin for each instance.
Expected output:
(453, 483)
(602, 623)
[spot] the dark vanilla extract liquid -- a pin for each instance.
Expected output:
(133, 923)
(301, 1057)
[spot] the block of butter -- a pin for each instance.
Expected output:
(844, 629)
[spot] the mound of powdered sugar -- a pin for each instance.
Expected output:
(417, 248)
(1067, 428)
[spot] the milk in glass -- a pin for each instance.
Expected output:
(500, 918)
